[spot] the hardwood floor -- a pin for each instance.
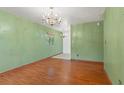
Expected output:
(57, 71)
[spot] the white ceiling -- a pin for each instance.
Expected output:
(71, 15)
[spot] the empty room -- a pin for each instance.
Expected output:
(61, 46)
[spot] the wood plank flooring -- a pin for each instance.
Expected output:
(57, 71)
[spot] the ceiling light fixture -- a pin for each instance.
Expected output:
(51, 18)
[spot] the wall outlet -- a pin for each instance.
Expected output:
(77, 55)
(120, 82)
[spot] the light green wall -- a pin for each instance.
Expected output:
(114, 44)
(23, 42)
(87, 41)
